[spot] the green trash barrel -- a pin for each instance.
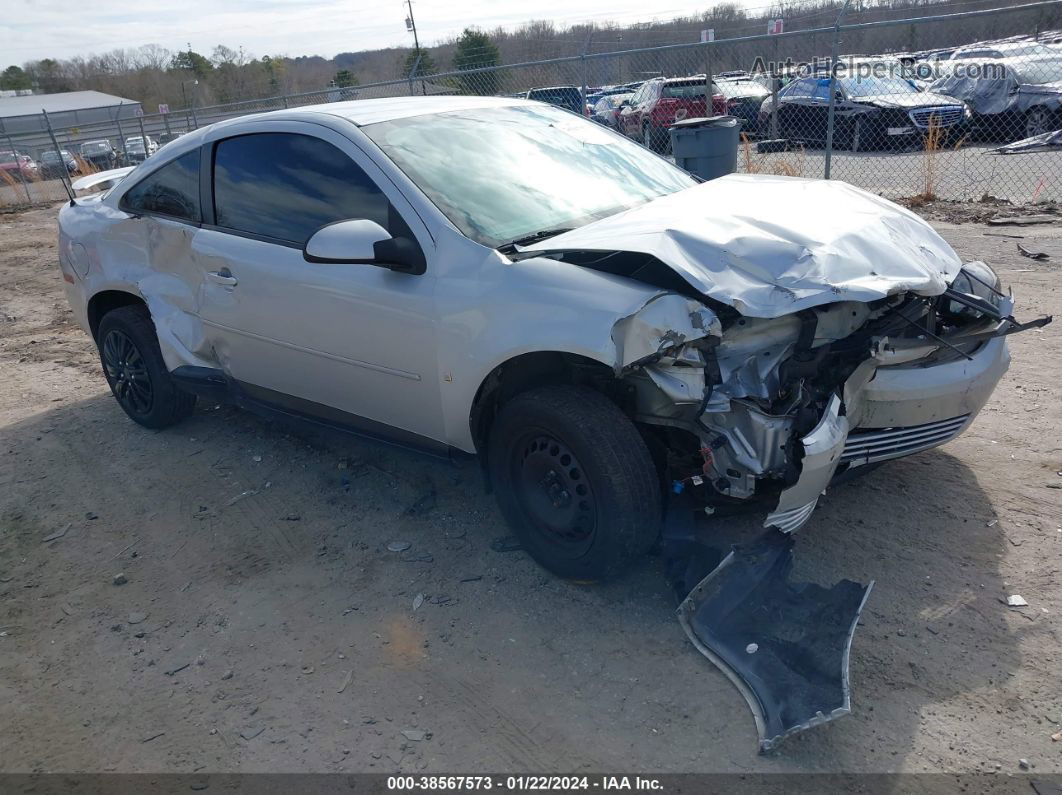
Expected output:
(706, 147)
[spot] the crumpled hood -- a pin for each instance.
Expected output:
(770, 246)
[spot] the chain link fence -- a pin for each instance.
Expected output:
(954, 106)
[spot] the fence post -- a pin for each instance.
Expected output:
(412, 72)
(775, 83)
(831, 112)
(584, 66)
(21, 176)
(284, 100)
(709, 110)
(143, 137)
(64, 176)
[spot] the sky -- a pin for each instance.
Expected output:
(34, 29)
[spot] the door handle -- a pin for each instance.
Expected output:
(223, 277)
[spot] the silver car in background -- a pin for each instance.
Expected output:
(501, 278)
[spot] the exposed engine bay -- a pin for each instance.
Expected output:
(767, 404)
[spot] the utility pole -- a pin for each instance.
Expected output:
(411, 25)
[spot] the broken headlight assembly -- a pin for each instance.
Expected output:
(978, 280)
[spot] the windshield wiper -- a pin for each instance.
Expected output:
(527, 240)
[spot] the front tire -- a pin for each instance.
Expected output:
(855, 140)
(575, 480)
(135, 371)
(656, 139)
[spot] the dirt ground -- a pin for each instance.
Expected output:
(265, 626)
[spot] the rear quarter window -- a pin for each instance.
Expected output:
(172, 190)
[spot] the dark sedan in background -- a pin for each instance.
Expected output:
(1010, 98)
(744, 97)
(870, 112)
(58, 164)
(100, 154)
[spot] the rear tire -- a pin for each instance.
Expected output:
(574, 479)
(656, 139)
(1039, 121)
(135, 371)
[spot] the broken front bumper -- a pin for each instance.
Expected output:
(901, 410)
(907, 396)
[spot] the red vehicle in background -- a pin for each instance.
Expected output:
(17, 166)
(661, 102)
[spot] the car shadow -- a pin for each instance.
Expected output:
(230, 504)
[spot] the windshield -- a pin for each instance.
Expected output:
(504, 173)
(687, 89)
(1039, 72)
(95, 146)
(876, 86)
(741, 88)
(54, 155)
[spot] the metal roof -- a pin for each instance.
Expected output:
(57, 103)
(370, 111)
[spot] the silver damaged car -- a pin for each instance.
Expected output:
(502, 278)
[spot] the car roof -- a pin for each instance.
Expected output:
(370, 111)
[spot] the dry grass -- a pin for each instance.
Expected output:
(785, 164)
(934, 142)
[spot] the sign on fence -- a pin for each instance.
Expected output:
(707, 35)
(163, 108)
(775, 26)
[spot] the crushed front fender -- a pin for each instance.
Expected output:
(784, 645)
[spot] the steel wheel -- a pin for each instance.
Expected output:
(127, 373)
(554, 492)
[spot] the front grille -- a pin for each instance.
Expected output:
(946, 116)
(868, 445)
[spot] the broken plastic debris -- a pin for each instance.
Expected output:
(418, 600)
(795, 676)
(1016, 600)
(398, 546)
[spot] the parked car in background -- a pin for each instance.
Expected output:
(165, 138)
(870, 113)
(744, 98)
(99, 154)
(567, 97)
(58, 164)
(1010, 98)
(17, 166)
(135, 151)
(607, 109)
(1004, 49)
(661, 102)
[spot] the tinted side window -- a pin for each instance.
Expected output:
(287, 186)
(172, 190)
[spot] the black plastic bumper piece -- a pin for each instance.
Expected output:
(784, 645)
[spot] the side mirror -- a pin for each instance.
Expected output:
(363, 242)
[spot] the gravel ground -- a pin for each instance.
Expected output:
(265, 626)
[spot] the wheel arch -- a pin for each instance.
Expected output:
(107, 301)
(529, 370)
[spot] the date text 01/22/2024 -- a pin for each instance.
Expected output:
(522, 783)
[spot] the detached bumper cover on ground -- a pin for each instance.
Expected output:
(784, 645)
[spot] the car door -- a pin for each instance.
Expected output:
(792, 102)
(350, 343)
(645, 107)
(818, 110)
(628, 119)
